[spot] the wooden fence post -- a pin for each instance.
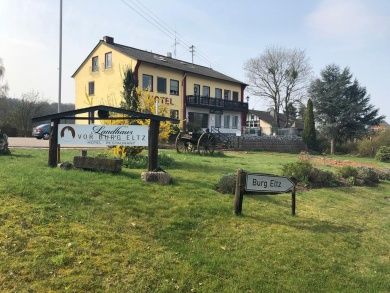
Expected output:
(293, 201)
(53, 144)
(154, 129)
(239, 193)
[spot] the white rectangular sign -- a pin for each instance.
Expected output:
(267, 183)
(102, 135)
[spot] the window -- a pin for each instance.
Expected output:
(196, 90)
(218, 120)
(174, 87)
(198, 120)
(226, 121)
(235, 122)
(147, 82)
(218, 93)
(174, 114)
(95, 64)
(206, 91)
(108, 60)
(227, 95)
(161, 85)
(91, 88)
(235, 96)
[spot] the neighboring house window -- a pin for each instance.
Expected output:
(218, 120)
(91, 88)
(206, 91)
(174, 114)
(147, 82)
(108, 60)
(227, 94)
(196, 90)
(95, 64)
(174, 87)
(235, 96)
(218, 93)
(226, 121)
(161, 85)
(235, 122)
(199, 119)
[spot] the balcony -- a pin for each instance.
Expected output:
(216, 104)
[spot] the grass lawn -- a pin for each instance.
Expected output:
(84, 231)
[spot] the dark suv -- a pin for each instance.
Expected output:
(42, 131)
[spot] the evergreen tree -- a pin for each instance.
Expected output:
(129, 93)
(291, 112)
(309, 131)
(342, 106)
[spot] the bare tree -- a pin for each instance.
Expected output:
(3, 86)
(280, 76)
(27, 108)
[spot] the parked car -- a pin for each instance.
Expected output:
(42, 131)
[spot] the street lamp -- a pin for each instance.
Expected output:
(60, 61)
(248, 115)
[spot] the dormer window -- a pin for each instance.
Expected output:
(108, 60)
(95, 64)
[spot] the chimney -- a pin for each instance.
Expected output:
(108, 39)
(169, 54)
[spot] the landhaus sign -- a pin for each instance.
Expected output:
(102, 135)
(261, 183)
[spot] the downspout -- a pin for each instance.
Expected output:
(184, 115)
(136, 72)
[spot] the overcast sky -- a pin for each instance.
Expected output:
(354, 33)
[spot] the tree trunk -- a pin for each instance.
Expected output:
(332, 146)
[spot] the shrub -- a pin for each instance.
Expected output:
(369, 146)
(347, 172)
(349, 147)
(304, 172)
(366, 148)
(367, 176)
(226, 184)
(299, 170)
(383, 174)
(383, 154)
(322, 178)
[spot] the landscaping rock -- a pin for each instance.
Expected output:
(160, 177)
(4, 150)
(65, 165)
(98, 164)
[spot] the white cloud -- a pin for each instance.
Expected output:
(351, 19)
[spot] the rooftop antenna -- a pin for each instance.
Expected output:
(192, 50)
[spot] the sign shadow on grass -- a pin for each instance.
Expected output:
(309, 224)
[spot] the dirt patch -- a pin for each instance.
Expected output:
(324, 161)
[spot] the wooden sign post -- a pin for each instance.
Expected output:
(261, 183)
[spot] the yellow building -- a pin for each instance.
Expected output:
(195, 94)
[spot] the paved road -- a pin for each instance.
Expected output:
(27, 142)
(31, 142)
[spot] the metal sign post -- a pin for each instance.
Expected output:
(262, 183)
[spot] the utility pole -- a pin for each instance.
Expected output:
(174, 45)
(60, 62)
(192, 50)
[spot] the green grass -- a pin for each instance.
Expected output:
(84, 231)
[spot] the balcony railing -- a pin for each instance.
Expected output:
(217, 104)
